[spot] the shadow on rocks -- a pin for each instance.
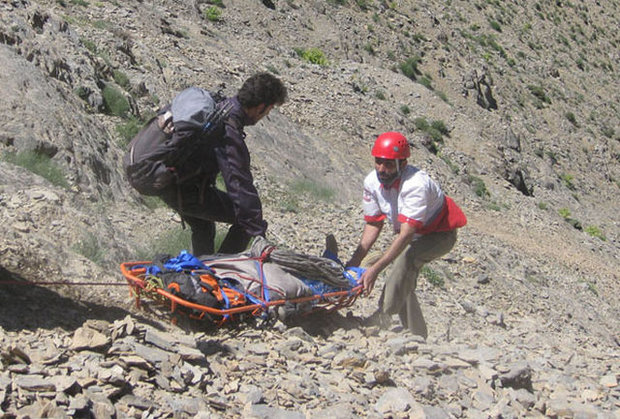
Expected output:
(24, 305)
(324, 323)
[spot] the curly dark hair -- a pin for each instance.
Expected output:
(262, 88)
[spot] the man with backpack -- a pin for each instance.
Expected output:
(178, 155)
(424, 221)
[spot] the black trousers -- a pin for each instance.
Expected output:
(201, 210)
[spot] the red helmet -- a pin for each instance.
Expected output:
(391, 145)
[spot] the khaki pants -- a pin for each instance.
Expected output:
(399, 290)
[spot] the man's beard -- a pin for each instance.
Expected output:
(387, 180)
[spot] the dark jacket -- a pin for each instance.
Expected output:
(226, 153)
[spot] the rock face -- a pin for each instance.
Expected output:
(511, 107)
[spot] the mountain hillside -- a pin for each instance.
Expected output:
(511, 106)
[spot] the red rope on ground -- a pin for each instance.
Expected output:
(59, 283)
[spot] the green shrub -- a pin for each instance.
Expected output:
(90, 248)
(494, 206)
(213, 14)
(39, 164)
(435, 130)
(369, 49)
(82, 92)
(121, 79)
(405, 109)
(152, 202)
(571, 118)
(172, 242)
(89, 45)
(115, 101)
(128, 129)
(542, 205)
(289, 204)
(364, 4)
(311, 188)
(433, 277)
(313, 55)
(272, 69)
(564, 213)
(594, 231)
(495, 25)
(480, 188)
(442, 96)
(409, 67)
(380, 95)
(79, 2)
(539, 93)
(590, 286)
(426, 82)
(568, 181)
(455, 169)
(608, 132)
(440, 126)
(421, 124)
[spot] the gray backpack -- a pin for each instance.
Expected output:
(155, 151)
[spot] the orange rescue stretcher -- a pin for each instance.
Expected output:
(136, 275)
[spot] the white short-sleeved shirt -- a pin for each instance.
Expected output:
(414, 198)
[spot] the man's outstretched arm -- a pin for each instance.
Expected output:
(398, 245)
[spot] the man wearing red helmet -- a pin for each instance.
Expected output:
(424, 221)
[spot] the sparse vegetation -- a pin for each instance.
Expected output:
(89, 45)
(594, 231)
(128, 129)
(312, 189)
(90, 248)
(567, 180)
(433, 277)
(426, 82)
(39, 164)
(152, 202)
(564, 213)
(480, 189)
(608, 132)
(435, 129)
(213, 14)
(409, 67)
(495, 25)
(455, 169)
(571, 118)
(121, 79)
(312, 55)
(590, 286)
(539, 94)
(115, 101)
(369, 48)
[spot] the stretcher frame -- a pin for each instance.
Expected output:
(135, 274)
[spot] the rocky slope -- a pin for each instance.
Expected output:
(523, 314)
